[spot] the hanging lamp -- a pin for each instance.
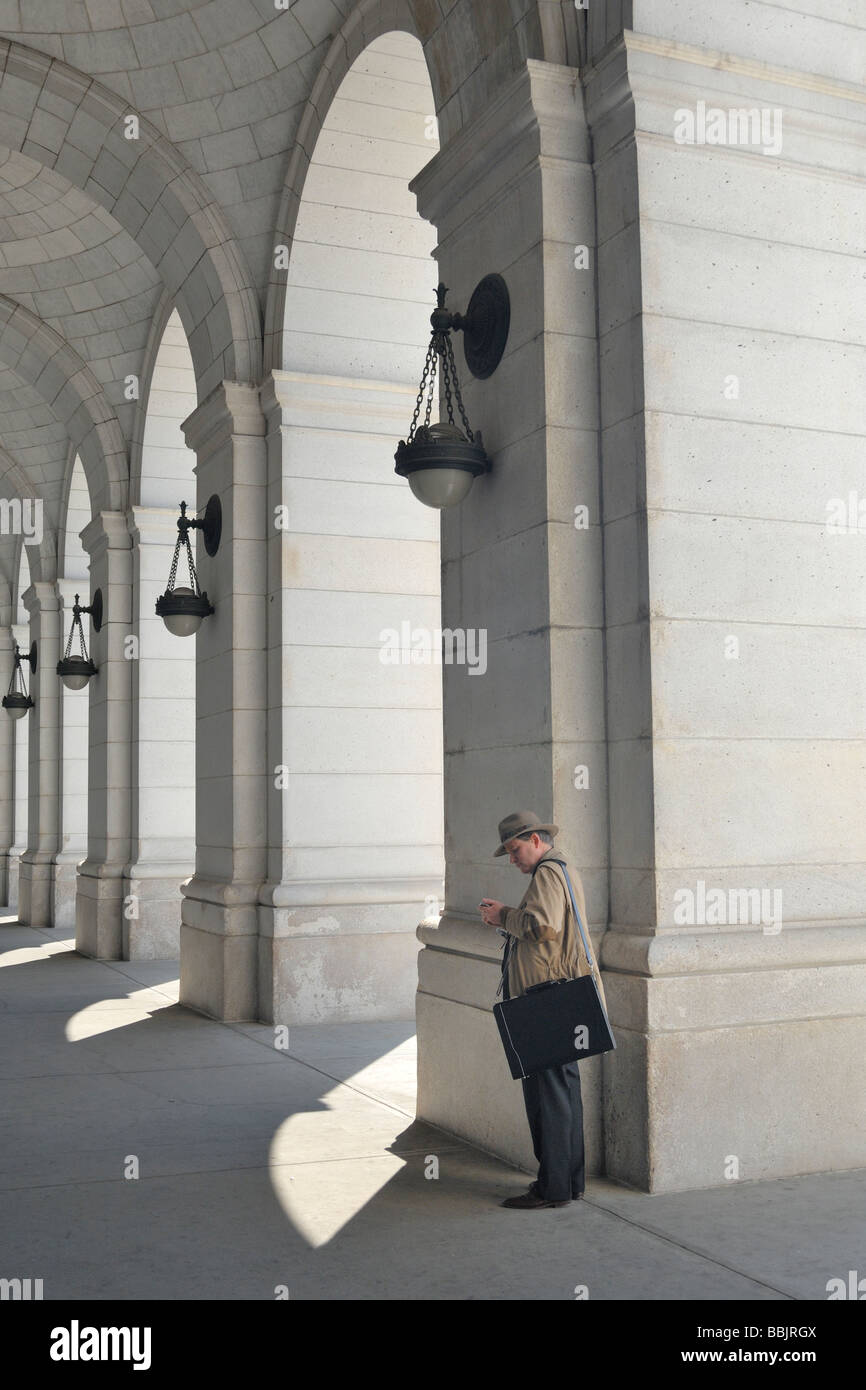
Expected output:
(182, 609)
(75, 671)
(16, 701)
(440, 460)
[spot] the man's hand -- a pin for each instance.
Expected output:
(491, 912)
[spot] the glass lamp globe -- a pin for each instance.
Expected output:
(75, 672)
(17, 705)
(187, 620)
(440, 464)
(440, 487)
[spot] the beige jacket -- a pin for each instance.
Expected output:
(547, 943)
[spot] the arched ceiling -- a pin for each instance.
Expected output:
(224, 80)
(66, 260)
(227, 82)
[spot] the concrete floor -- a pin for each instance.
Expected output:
(260, 1168)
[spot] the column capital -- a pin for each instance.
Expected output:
(41, 597)
(154, 525)
(106, 531)
(538, 112)
(68, 588)
(348, 403)
(232, 408)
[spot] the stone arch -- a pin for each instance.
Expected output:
(22, 578)
(367, 22)
(162, 853)
(167, 356)
(71, 555)
(358, 555)
(46, 361)
(163, 312)
(71, 123)
(468, 53)
(72, 578)
(41, 557)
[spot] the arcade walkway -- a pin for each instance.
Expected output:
(260, 1168)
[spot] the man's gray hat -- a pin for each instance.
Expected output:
(520, 823)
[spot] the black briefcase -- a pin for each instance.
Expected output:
(555, 1022)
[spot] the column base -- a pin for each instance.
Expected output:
(152, 911)
(36, 889)
(736, 1055)
(99, 915)
(13, 884)
(218, 953)
(337, 963)
(464, 1084)
(65, 890)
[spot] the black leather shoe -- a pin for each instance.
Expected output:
(575, 1196)
(530, 1201)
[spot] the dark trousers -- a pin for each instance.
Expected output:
(554, 1110)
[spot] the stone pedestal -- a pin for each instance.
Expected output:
(99, 908)
(219, 932)
(35, 889)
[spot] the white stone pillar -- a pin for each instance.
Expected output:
(730, 200)
(163, 750)
(36, 891)
(513, 194)
(74, 719)
(21, 774)
(99, 908)
(219, 934)
(355, 743)
(7, 764)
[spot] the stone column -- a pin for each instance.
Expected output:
(729, 196)
(7, 765)
(36, 889)
(74, 707)
(163, 750)
(99, 908)
(355, 815)
(21, 774)
(522, 562)
(219, 941)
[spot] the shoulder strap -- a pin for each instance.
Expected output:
(589, 956)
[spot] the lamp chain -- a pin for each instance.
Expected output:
(76, 622)
(428, 378)
(449, 362)
(183, 540)
(440, 346)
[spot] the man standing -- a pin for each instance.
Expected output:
(543, 943)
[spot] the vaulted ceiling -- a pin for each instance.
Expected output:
(227, 82)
